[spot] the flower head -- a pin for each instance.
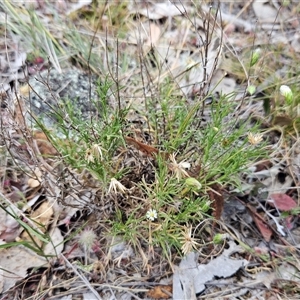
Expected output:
(116, 186)
(95, 152)
(287, 93)
(179, 169)
(285, 90)
(255, 138)
(219, 238)
(193, 183)
(251, 89)
(89, 157)
(151, 214)
(255, 56)
(87, 239)
(189, 243)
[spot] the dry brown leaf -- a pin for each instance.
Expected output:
(264, 229)
(148, 150)
(282, 201)
(282, 120)
(215, 195)
(160, 292)
(263, 165)
(43, 144)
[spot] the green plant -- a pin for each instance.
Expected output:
(216, 153)
(157, 198)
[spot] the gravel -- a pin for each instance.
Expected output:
(52, 90)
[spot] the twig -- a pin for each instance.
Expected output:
(81, 277)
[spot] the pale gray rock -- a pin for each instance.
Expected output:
(52, 91)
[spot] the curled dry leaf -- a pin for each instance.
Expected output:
(282, 202)
(43, 144)
(160, 292)
(148, 150)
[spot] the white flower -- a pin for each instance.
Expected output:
(116, 186)
(151, 214)
(179, 168)
(255, 138)
(89, 156)
(188, 242)
(287, 93)
(285, 90)
(95, 152)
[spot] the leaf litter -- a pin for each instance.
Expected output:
(190, 278)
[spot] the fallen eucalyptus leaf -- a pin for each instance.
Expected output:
(190, 277)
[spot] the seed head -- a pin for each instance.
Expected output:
(255, 138)
(87, 239)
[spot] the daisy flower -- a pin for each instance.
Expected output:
(151, 214)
